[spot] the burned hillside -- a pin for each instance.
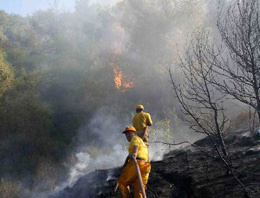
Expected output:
(186, 173)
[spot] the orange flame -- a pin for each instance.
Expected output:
(128, 85)
(119, 79)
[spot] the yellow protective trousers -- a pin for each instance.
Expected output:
(129, 176)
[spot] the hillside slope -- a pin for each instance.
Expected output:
(185, 173)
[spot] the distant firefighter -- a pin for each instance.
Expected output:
(139, 151)
(141, 121)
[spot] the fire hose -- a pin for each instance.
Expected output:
(139, 178)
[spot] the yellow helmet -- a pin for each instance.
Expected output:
(129, 128)
(139, 107)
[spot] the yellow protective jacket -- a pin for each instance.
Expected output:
(142, 148)
(141, 120)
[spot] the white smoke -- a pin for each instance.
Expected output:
(86, 164)
(157, 151)
(111, 146)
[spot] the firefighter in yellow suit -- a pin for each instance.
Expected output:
(138, 150)
(141, 121)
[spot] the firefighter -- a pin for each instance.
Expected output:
(141, 121)
(138, 150)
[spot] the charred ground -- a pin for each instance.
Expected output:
(186, 172)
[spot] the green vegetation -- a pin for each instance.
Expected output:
(57, 70)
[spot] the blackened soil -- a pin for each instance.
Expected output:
(187, 173)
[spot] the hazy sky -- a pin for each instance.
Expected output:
(27, 7)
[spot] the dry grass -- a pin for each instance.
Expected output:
(9, 189)
(46, 176)
(44, 180)
(244, 120)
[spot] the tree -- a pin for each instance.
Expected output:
(239, 27)
(6, 74)
(212, 72)
(26, 126)
(200, 101)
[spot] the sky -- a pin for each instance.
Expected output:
(28, 7)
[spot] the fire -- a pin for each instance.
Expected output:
(121, 81)
(128, 85)
(117, 76)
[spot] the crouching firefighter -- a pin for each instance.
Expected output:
(138, 155)
(141, 121)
